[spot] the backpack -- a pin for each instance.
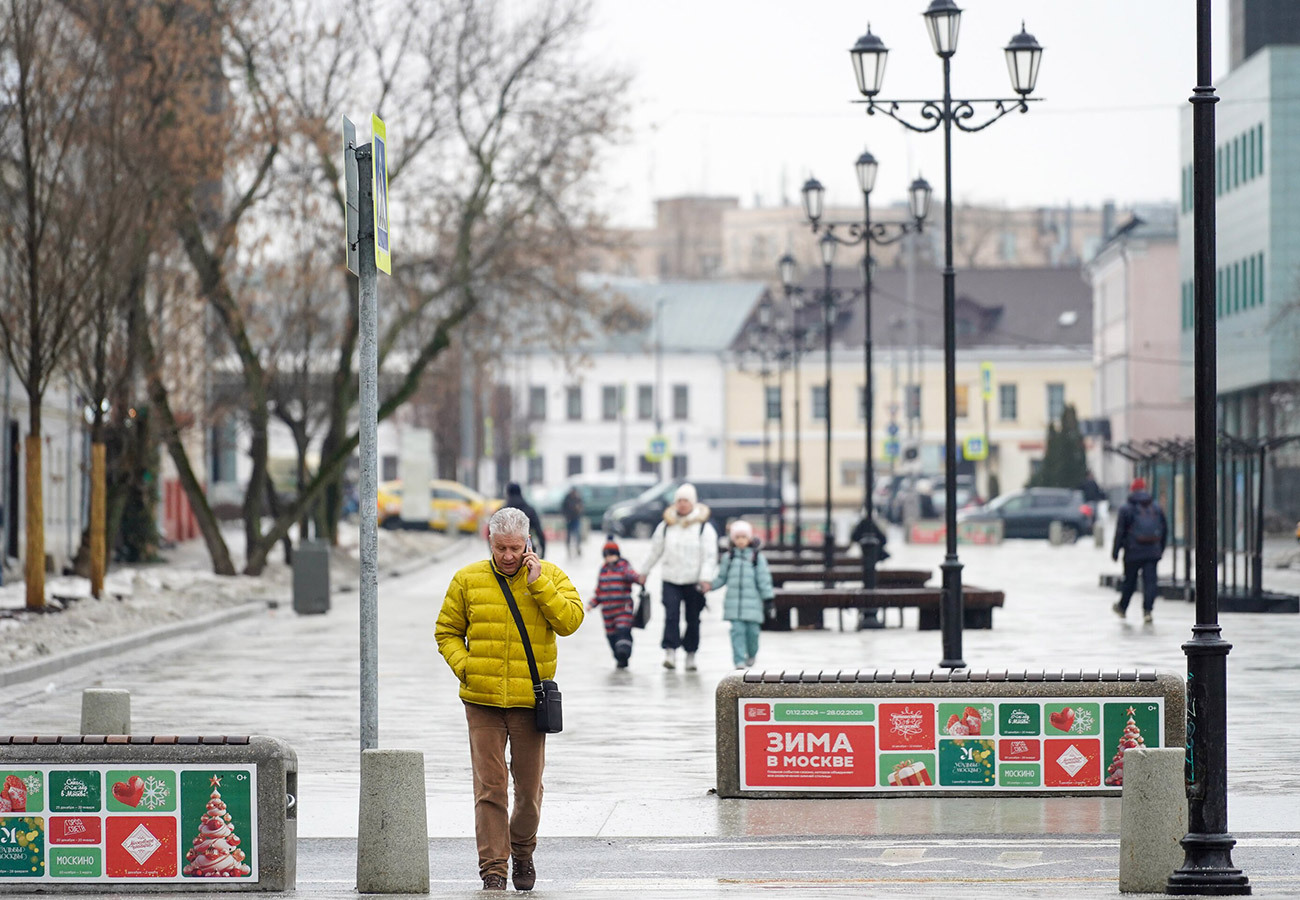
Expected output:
(1146, 524)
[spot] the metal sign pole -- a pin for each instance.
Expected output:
(368, 369)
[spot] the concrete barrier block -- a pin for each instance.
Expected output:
(105, 711)
(393, 850)
(1153, 818)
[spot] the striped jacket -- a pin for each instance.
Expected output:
(614, 594)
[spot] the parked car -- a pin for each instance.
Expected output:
(1031, 512)
(599, 491)
(727, 499)
(905, 488)
(451, 505)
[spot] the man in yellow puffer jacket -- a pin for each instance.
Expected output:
(477, 635)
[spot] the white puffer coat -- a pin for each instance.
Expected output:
(688, 545)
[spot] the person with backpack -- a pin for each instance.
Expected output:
(1141, 531)
(688, 545)
(744, 572)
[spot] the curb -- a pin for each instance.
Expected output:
(51, 665)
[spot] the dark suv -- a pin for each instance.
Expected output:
(726, 498)
(1031, 512)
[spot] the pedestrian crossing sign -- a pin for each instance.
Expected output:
(975, 449)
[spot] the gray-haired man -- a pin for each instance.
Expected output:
(477, 636)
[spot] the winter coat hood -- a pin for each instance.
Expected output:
(699, 513)
(1140, 498)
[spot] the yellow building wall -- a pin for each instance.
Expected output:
(1015, 442)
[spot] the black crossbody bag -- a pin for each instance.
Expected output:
(548, 717)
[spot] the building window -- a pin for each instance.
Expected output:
(1055, 402)
(681, 402)
(819, 403)
(645, 402)
(679, 465)
(605, 463)
(1259, 146)
(611, 402)
(862, 403)
(646, 467)
(573, 403)
(914, 401)
(534, 470)
(1007, 402)
(963, 401)
(388, 467)
(773, 400)
(537, 403)
(573, 465)
(851, 473)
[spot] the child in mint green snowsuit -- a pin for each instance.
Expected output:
(743, 570)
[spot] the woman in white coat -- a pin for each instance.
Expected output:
(688, 545)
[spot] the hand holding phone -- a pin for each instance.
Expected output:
(533, 564)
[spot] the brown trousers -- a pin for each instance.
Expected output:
(500, 834)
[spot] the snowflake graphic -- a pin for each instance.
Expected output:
(155, 793)
(986, 714)
(33, 782)
(1082, 722)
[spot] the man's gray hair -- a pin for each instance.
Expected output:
(508, 522)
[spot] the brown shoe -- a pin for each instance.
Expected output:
(523, 874)
(494, 882)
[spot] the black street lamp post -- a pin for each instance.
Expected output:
(798, 337)
(1207, 864)
(1023, 54)
(865, 232)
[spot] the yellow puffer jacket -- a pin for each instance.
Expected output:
(477, 635)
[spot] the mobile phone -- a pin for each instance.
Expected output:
(528, 546)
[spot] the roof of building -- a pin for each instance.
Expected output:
(697, 316)
(1009, 308)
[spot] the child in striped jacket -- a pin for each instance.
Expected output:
(614, 597)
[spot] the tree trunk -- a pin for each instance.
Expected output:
(35, 570)
(98, 497)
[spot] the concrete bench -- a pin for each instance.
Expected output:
(871, 733)
(157, 813)
(977, 604)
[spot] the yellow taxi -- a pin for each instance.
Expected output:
(452, 505)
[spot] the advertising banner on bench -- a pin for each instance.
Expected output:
(112, 823)
(993, 744)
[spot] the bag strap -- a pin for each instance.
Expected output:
(523, 632)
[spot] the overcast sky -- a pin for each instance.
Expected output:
(749, 97)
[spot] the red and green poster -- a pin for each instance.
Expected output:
(949, 744)
(130, 825)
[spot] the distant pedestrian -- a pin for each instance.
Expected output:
(1095, 496)
(573, 509)
(1141, 531)
(614, 597)
(515, 499)
(925, 508)
(478, 637)
(743, 570)
(689, 547)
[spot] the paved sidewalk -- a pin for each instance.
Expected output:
(628, 781)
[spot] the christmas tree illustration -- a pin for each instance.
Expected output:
(1132, 737)
(215, 853)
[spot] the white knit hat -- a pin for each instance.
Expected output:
(686, 492)
(741, 527)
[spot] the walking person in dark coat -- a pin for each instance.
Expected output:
(515, 498)
(1141, 531)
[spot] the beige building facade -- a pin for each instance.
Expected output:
(1029, 388)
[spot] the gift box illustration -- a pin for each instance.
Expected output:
(909, 773)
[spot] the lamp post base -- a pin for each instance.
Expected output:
(1208, 868)
(950, 614)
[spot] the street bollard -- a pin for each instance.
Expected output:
(1055, 534)
(1153, 818)
(393, 853)
(1099, 534)
(105, 711)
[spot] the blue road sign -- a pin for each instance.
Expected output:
(892, 429)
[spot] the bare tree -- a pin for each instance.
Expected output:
(48, 68)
